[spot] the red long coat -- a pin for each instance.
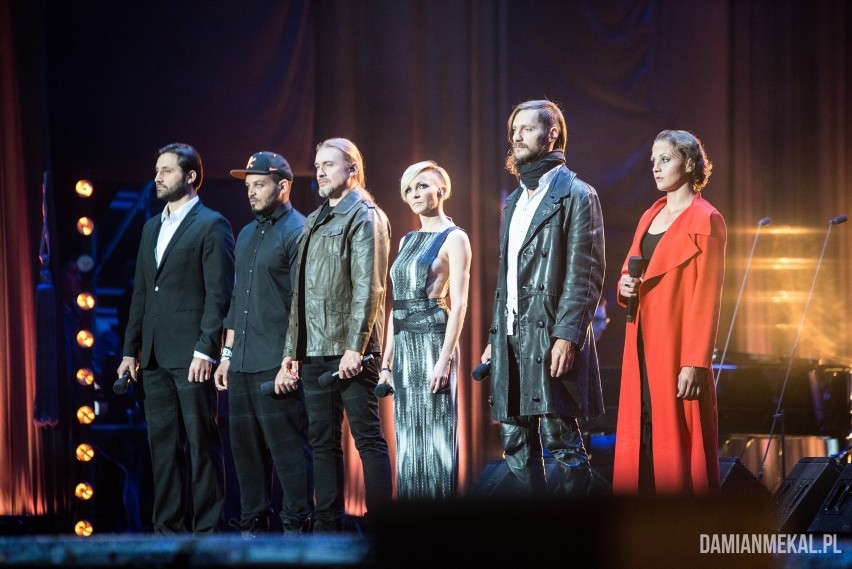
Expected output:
(679, 304)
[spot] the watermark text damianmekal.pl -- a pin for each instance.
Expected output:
(768, 543)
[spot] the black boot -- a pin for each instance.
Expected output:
(296, 527)
(251, 528)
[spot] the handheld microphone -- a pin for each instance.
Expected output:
(328, 377)
(122, 383)
(481, 371)
(268, 389)
(838, 220)
(634, 269)
(383, 390)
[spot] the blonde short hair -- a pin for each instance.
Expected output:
(416, 169)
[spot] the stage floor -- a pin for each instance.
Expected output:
(603, 532)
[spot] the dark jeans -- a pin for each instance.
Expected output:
(325, 416)
(178, 411)
(268, 431)
(523, 438)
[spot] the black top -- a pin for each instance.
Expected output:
(648, 245)
(260, 307)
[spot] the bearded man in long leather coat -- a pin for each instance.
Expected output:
(544, 363)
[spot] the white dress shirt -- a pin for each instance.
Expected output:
(518, 226)
(171, 221)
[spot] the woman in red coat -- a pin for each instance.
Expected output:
(667, 435)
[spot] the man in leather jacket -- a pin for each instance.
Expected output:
(337, 318)
(544, 362)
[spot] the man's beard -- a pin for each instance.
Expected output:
(531, 154)
(174, 193)
(513, 161)
(267, 207)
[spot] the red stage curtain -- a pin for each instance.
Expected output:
(20, 450)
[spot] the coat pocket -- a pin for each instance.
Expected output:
(331, 240)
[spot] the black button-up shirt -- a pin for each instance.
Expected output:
(266, 252)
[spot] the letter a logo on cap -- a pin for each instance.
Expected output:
(250, 162)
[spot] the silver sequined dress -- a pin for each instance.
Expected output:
(425, 423)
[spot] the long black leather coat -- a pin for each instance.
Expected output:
(560, 276)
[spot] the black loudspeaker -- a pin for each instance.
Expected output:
(835, 514)
(738, 481)
(798, 499)
(497, 481)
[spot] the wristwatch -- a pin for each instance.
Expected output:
(226, 353)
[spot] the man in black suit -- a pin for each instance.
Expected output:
(181, 292)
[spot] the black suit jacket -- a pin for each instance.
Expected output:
(178, 308)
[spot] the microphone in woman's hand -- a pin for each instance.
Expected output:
(634, 268)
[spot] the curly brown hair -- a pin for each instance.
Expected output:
(691, 150)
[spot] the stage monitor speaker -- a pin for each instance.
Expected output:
(497, 481)
(798, 499)
(835, 514)
(738, 481)
(752, 448)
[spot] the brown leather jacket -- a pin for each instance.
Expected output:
(345, 273)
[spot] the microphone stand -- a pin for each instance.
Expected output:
(779, 413)
(761, 223)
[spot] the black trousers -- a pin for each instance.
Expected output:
(647, 485)
(267, 431)
(325, 416)
(524, 437)
(179, 411)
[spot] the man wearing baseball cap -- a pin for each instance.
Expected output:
(265, 430)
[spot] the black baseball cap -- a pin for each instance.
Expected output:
(265, 163)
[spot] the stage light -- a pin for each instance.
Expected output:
(85, 226)
(85, 452)
(84, 188)
(84, 491)
(85, 339)
(85, 415)
(85, 376)
(85, 263)
(84, 528)
(85, 301)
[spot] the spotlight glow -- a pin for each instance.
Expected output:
(84, 528)
(84, 491)
(85, 376)
(85, 301)
(84, 452)
(85, 226)
(85, 339)
(86, 415)
(84, 188)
